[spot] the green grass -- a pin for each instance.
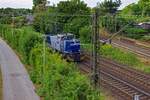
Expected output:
(146, 38)
(87, 47)
(123, 57)
(120, 56)
(57, 79)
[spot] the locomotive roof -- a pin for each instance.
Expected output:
(64, 34)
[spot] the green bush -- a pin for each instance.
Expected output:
(57, 79)
(135, 30)
(28, 39)
(44, 23)
(19, 21)
(113, 23)
(118, 55)
(124, 57)
(146, 38)
(85, 34)
(135, 33)
(60, 80)
(23, 40)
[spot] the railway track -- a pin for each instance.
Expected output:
(136, 49)
(122, 81)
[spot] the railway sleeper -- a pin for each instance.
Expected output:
(129, 70)
(116, 90)
(132, 81)
(129, 77)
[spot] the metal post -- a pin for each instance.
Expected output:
(44, 54)
(95, 49)
(13, 24)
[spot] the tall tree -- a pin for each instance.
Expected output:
(141, 8)
(37, 2)
(145, 6)
(132, 9)
(109, 6)
(72, 7)
(39, 5)
(60, 18)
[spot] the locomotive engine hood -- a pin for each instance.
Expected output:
(72, 46)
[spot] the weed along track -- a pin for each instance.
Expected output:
(121, 81)
(126, 74)
(134, 48)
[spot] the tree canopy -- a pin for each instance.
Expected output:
(61, 18)
(141, 8)
(37, 2)
(109, 6)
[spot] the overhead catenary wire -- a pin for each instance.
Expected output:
(122, 29)
(95, 40)
(71, 15)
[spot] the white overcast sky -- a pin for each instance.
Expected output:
(29, 4)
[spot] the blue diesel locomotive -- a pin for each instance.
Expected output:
(66, 44)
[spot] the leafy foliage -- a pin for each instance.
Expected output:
(123, 57)
(114, 23)
(7, 14)
(75, 25)
(142, 8)
(72, 7)
(135, 33)
(21, 39)
(44, 23)
(109, 7)
(131, 16)
(37, 2)
(57, 79)
(59, 19)
(16, 12)
(85, 34)
(146, 38)
(117, 54)
(19, 21)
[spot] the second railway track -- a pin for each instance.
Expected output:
(136, 49)
(120, 80)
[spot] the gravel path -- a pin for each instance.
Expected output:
(16, 82)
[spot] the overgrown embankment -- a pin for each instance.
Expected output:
(56, 79)
(123, 57)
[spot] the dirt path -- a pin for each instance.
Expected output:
(16, 82)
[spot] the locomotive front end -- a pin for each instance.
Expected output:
(72, 48)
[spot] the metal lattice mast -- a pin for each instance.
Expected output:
(95, 73)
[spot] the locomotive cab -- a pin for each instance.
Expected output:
(72, 47)
(66, 44)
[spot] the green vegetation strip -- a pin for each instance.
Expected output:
(121, 56)
(55, 78)
(124, 57)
